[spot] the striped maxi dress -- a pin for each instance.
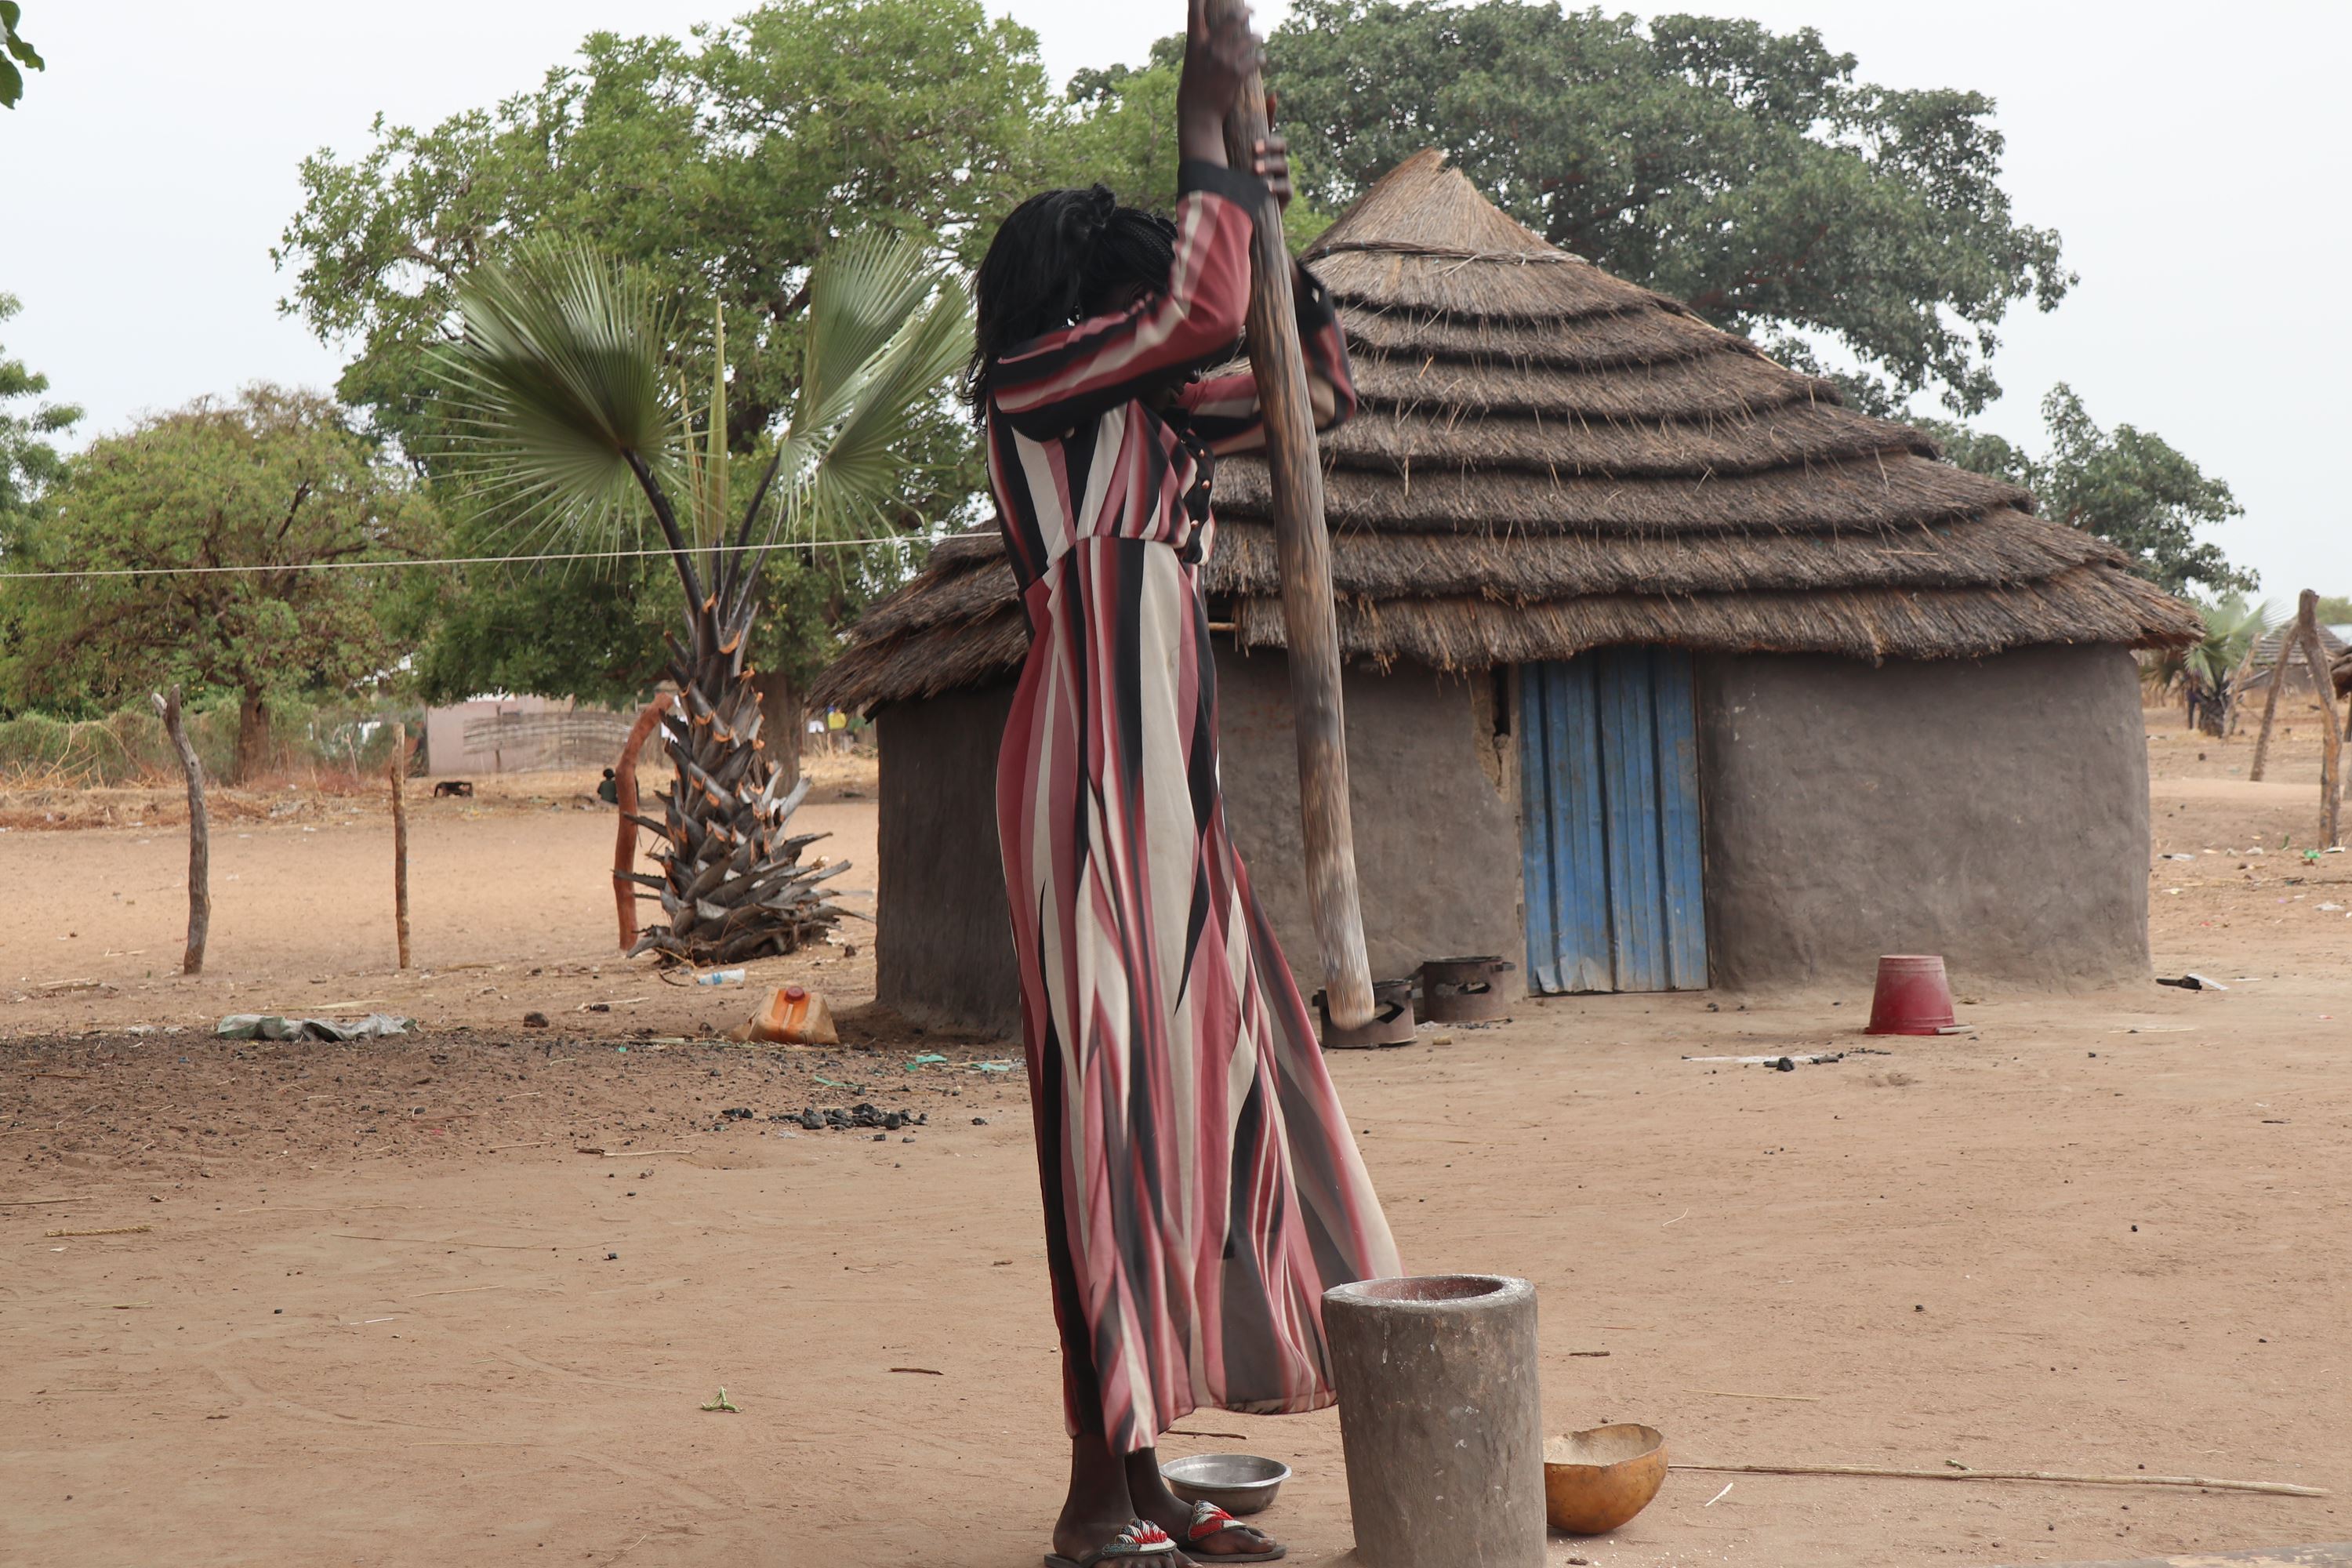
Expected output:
(1201, 1190)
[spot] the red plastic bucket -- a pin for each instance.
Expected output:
(1914, 996)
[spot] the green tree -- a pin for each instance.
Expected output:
(2335, 609)
(1747, 172)
(723, 166)
(14, 52)
(1119, 129)
(569, 414)
(29, 464)
(269, 484)
(2128, 485)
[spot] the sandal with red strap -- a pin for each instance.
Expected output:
(1141, 1542)
(1209, 1522)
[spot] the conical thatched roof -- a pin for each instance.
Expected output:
(1551, 459)
(2262, 659)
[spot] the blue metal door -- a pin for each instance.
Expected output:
(1609, 760)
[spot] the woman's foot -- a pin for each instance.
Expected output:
(1148, 1492)
(1139, 1543)
(1099, 1507)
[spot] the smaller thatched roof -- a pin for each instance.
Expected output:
(1551, 459)
(2262, 659)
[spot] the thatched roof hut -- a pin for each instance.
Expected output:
(2263, 660)
(1551, 459)
(1555, 470)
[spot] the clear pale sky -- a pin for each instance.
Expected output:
(2194, 157)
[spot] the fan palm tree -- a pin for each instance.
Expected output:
(571, 415)
(2213, 670)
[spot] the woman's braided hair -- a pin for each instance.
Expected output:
(1060, 257)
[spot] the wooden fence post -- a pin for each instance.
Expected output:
(2331, 792)
(624, 790)
(400, 838)
(2270, 704)
(200, 835)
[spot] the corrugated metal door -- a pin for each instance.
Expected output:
(1608, 756)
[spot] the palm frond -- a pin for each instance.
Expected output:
(860, 469)
(887, 326)
(862, 294)
(2233, 629)
(560, 392)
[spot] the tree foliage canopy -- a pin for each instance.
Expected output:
(1119, 129)
(1747, 172)
(15, 52)
(2128, 485)
(719, 168)
(28, 462)
(273, 481)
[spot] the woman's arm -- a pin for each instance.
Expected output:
(1058, 381)
(1225, 407)
(1055, 382)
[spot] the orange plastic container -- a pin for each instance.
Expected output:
(791, 1016)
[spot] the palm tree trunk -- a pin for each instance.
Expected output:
(781, 718)
(734, 887)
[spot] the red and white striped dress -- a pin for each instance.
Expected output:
(1201, 1190)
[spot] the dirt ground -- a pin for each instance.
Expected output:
(463, 1296)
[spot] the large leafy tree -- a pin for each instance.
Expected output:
(15, 51)
(1747, 172)
(273, 486)
(2128, 485)
(568, 412)
(719, 167)
(30, 461)
(1118, 128)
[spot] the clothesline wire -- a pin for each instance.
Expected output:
(435, 561)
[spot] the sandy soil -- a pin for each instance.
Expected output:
(383, 1309)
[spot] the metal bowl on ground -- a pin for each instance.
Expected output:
(1238, 1483)
(1596, 1480)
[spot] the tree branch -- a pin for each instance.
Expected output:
(681, 554)
(302, 494)
(735, 584)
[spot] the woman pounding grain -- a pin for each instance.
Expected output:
(1202, 1191)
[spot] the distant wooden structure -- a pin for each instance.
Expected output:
(519, 735)
(2302, 650)
(2263, 660)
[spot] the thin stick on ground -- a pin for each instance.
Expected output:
(118, 1230)
(2268, 1488)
